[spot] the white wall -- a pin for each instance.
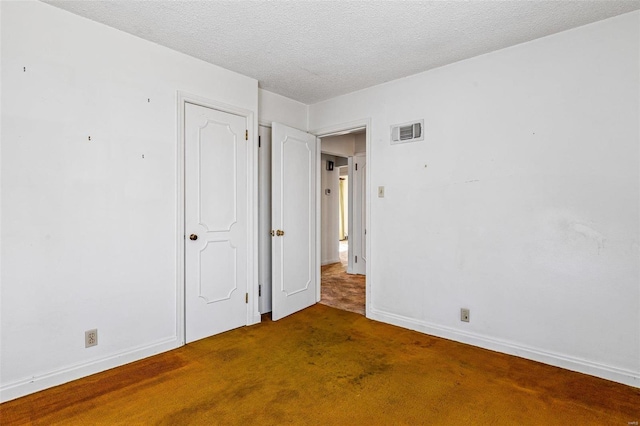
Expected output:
(89, 228)
(330, 245)
(522, 202)
(342, 145)
(359, 143)
(274, 107)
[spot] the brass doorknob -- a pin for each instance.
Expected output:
(279, 233)
(193, 237)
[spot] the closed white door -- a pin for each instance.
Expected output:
(216, 220)
(359, 232)
(294, 197)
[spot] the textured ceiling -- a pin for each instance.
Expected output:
(314, 50)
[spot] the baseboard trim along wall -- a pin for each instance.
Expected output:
(627, 377)
(54, 378)
(329, 262)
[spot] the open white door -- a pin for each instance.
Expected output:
(294, 178)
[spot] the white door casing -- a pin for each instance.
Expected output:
(359, 214)
(217, 215)
(264, 219)
(294, 196)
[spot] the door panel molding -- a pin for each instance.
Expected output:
(217, 224)
(216, 250)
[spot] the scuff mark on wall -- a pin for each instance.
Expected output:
(591, 234)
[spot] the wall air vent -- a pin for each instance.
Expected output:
(407, 132)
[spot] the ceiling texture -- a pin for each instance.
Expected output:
(311, 51)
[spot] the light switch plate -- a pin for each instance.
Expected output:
(381, 192)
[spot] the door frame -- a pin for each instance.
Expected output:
(333, 131)
(358, 226)
(253, 313)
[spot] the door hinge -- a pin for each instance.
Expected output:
(260, 290)
(246, 135)
(259, 141)
(356, 166)
(356, 259)
(246, 298)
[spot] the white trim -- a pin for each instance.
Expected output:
(47, 380)
(253, 312)
(253, 315)
(357, 229)
(350, 215)
(180, 225)
(627, 377)
(318, 219)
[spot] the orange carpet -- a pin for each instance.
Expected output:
(324, 366)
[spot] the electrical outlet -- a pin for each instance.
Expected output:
(464, 315)
(90, 338)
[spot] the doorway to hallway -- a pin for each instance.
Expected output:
(343, 222)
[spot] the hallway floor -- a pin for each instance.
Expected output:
(341, 290)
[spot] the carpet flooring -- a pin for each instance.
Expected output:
(324, 366)
(339, 289)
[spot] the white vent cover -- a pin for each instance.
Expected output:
(407, 132)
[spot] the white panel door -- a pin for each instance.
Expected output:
(359, 232)
(216, 220)
(296, 267)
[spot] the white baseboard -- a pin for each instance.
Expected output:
(329, 262)
(627, 377)
(34, 384)
(54, 378)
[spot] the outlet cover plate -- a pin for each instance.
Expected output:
(90, 338)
